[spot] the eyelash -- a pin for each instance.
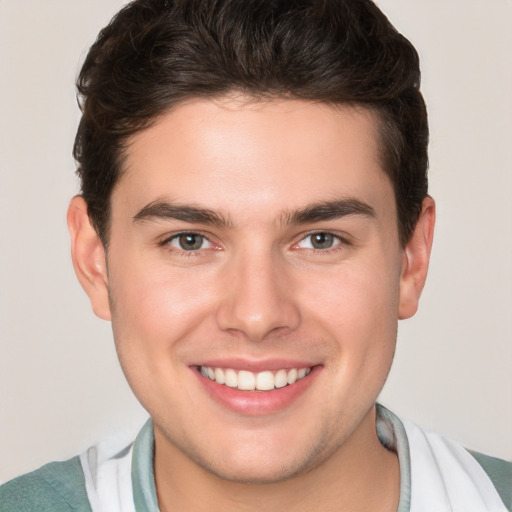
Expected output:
(339, 243)
(184, 252)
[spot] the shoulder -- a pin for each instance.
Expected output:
(463, 476)
(55, 487)
(500, 473)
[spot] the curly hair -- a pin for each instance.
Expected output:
(157, 53)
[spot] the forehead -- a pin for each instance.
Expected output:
(233, 153)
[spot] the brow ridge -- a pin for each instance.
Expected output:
(161, 210)
(317, 212)
(330, 210)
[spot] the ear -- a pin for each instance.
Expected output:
(88, 256)
(415, 260)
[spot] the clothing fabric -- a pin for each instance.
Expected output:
(436, 475)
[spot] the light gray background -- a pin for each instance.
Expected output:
(60, 385)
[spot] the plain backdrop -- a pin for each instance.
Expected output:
(60, 385)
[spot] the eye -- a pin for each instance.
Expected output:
(189, 242)
(319, 241)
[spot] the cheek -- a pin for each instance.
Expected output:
(359, 297)
(357, 308)
(155, 312)
(155, 306)
(374, 322)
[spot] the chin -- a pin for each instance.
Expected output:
(261, 462)
(256, 472)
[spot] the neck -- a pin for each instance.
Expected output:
(360, 475)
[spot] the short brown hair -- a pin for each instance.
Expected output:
(157, 53)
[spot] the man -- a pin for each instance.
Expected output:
(254, 220)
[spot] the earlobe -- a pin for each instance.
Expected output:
(88, 255)
(415, 260)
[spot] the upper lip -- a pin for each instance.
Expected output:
(256, 366)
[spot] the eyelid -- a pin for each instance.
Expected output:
(340, 240)
(165, 241)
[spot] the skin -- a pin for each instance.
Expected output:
(257, 289)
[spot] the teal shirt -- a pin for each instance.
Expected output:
(56, 487)
(60, 486)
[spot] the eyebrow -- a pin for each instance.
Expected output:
(317, 212)
(330, 210)
(162, 210)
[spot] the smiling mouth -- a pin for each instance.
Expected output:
(249, 381)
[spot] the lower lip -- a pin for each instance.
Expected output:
(257, 403)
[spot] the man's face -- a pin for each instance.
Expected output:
(251, 240)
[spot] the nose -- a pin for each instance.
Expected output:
(258, 298)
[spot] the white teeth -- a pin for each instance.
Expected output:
(219, 376)
(231, 378)
(264, 381)
(281, 379)
(246, 381)
(292, 376)
(249, 381)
